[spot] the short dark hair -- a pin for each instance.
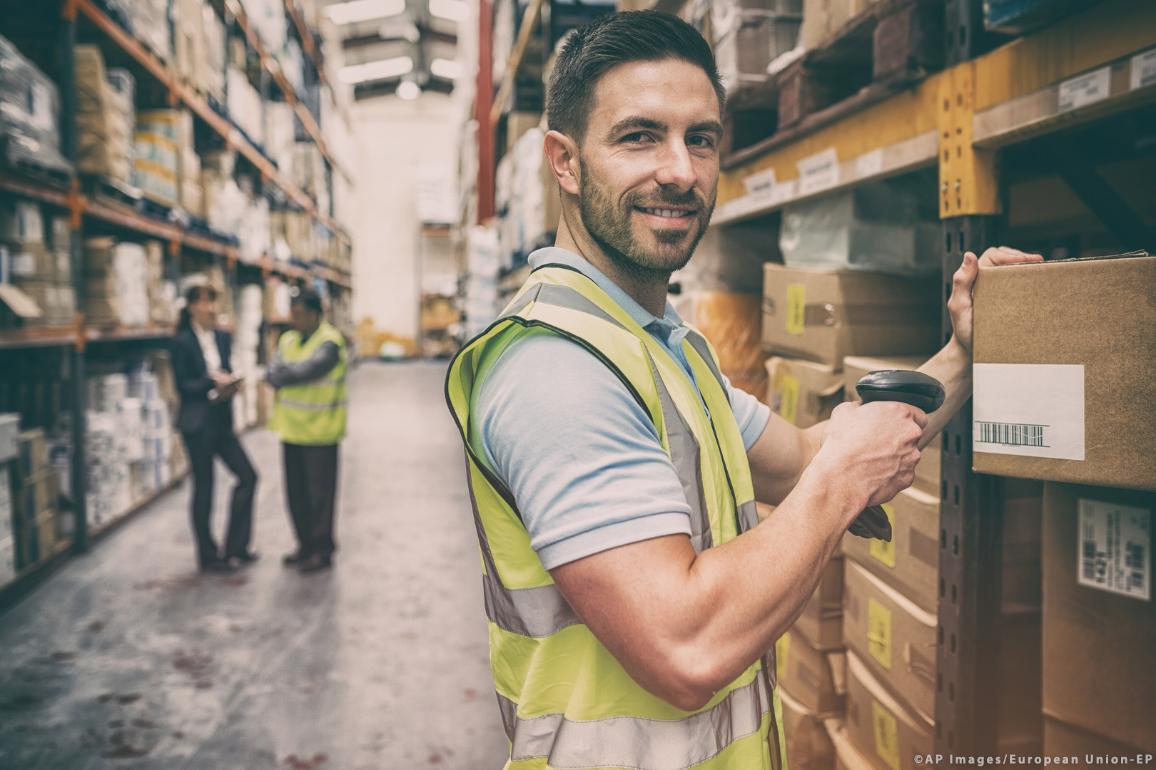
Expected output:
(589, 52)
(306, 298)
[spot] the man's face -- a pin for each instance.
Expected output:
(302, 318)
(650, 163)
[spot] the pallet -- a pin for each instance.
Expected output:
(888, 47)
(28, 169)
(110, 192)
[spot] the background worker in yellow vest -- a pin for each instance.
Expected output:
(310, 415)
(633, 598)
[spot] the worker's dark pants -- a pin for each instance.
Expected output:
(311, 487)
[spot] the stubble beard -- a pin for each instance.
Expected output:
(610, 228)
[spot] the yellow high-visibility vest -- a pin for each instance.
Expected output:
(312, 413)
(566, 702)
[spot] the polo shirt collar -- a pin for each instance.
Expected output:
(670, 322)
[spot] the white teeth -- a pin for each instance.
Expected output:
(669, 213)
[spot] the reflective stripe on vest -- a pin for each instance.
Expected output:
(312, 413)
(565, 701)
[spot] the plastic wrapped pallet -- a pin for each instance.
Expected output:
(244, 105)
(29, 113)
(149, 20)
(884, 227)
(104, 116)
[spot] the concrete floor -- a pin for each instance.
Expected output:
(128, 658)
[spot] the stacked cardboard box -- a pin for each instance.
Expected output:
(104, 117)
(824, 18)
(36, 492)
(244, 105)
(9, 428)
(116, 282)
(199, 47)
(750, 34)
(1099, 690)
(149, 22)
(36, 262)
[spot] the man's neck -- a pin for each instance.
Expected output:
(648, 292)
(307, 333)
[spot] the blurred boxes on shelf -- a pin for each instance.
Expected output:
(814, 678)
(821, 622)
(730, 258)
(243, 104)
(1015, 17)
(199, 47)
(1063, 371)
(808, 745)
(879, 726)
(116, 287)
(731, 321)
(105, 117)
(802, 392)
(888, 227)
(750, 41)
(37, 261)
(1099, 621)
(824, 18)
(823, 315)
(149, 23)
(29, 114)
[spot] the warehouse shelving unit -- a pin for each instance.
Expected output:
(1080, 70)
(65, 196)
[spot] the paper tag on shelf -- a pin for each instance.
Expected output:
(1114, 549)
(1085, 89)
(1143, 69)
(886, 732)
(879, 632)
(869, 164)
(796, 304)
(789, 395)
(760, 184)
(1033, 410)
(819, 171)
(883, 551)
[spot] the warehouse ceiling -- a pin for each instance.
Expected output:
(402, 47)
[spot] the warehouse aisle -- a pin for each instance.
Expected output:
(129, 658)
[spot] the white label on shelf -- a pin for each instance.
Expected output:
(819, 171)
(1085, 89)
(1143, 69)
(1033, 410)
(1113, 552)
(761, 183)
(869, 164)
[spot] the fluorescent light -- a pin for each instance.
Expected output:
(364, 10)
(454, 10)
(376, 70)
(408, 90)
(446, 68)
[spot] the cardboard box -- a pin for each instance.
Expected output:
(821, 623)
(808, 745)
(910, 562)
(824, 315)
(847, 757)
(1063, 371)
(1099, 615)
(1065, 740)
(893, 636)
(9, 436)
(886, 732)
(801, 392)
(814, 678)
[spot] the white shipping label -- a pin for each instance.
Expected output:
(1113, 552)
(869, 164)
(760, 183)
(1143, 69)
(819, 171)
(1085, 89)
(1033, 410)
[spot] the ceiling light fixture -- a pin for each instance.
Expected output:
(408, 90)
(364, 10)
(376, 70)
(454, 10)
(446, 68)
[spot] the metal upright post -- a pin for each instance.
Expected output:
(78, 464)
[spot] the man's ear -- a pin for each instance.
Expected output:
(562, 155)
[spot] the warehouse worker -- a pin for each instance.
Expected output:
(310, 414)
(633, 596)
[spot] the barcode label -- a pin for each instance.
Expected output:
(1113, 551)
(1033, 410)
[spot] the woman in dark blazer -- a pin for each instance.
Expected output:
(200, 357)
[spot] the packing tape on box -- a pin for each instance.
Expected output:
(828, 314)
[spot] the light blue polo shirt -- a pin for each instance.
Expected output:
(581, 457)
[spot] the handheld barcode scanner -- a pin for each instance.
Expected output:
(913, 388)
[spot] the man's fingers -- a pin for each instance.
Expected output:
(1006, 255)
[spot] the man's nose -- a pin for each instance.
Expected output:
(675, 168)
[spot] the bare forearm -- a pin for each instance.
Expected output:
(952, 367)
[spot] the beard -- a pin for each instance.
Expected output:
(610, 226)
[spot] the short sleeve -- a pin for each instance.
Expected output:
(580, 456)
(751, 414)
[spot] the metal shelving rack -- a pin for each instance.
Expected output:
(66, 197)
(959, 120)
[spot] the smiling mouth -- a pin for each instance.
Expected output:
(667, 213)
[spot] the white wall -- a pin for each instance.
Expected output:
(394, 138)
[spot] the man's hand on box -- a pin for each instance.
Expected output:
(963, 283)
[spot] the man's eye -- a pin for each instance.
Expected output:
(700, 140)
(638, 137)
